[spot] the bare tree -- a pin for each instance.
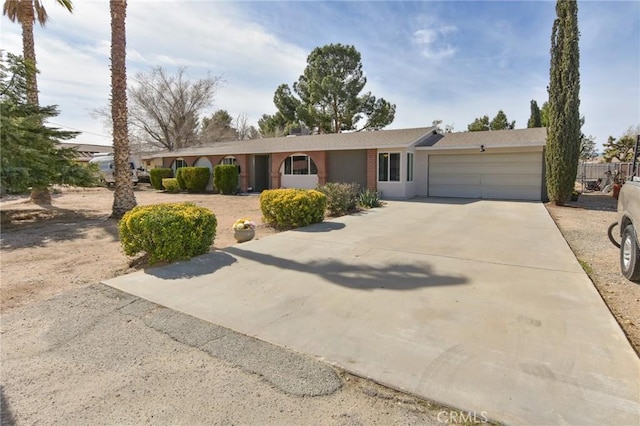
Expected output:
(243, 130)
(165, 109)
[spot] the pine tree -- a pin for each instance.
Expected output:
(563, 137)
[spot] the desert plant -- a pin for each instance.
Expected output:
(193, 179)
(342, 198)
(292, 208)
(167, 232)
(369, 198)
(171, 185)
(156, 176)
(225, 178)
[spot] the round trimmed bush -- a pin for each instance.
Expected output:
(167, 232)
(292, 208)
(171, 185)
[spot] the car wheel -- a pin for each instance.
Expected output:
(630, 254)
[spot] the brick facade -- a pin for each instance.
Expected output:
(318, 157)
(372, 172)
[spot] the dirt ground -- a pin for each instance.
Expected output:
(75, 244)
(48, 251)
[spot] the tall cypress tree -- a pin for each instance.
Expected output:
(563, 134)
(535, 120)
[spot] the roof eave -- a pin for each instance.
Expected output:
(477, 146)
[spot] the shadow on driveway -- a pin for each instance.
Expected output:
(400, 276)
(200, 265)
(321, 227)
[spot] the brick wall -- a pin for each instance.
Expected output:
(318, 157)
(372, 169)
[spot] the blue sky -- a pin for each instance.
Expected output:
(451, 60)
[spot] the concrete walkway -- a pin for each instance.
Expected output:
(479, 305)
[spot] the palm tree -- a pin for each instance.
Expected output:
(26, 12)
(123, 197)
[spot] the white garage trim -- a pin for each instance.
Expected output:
(509, 176)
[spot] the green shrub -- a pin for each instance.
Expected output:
(225, 178)
(369, 199)
(193, 179)
(342, 198)
(156, 176)
(180, 179)
(292, 208)
(171, 185)
(167, 232)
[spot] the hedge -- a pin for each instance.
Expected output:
(225, 178)
(156, 176)
(193, 179)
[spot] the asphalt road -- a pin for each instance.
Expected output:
(99, 356)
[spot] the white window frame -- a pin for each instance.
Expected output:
(410, 163)
(388, 171)
(175, 166)
(289, 166)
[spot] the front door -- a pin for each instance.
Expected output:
(262, 177)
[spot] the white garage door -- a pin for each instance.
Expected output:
(482, 175)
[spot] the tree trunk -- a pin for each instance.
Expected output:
(123, 196)
(28, 49)
(39, 196)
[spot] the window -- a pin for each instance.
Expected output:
(389, 167)
(230, 161)
(178, 163)
(300, 165)
(409, 166)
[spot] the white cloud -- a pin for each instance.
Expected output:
(207, 37)
(433, 42)
(464, 63)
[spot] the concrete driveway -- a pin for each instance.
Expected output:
(480, 305)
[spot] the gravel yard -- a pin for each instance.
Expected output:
(584, 225)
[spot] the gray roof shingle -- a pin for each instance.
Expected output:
(400, 138)
(503, 138)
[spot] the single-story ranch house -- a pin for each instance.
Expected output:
(404, 163)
